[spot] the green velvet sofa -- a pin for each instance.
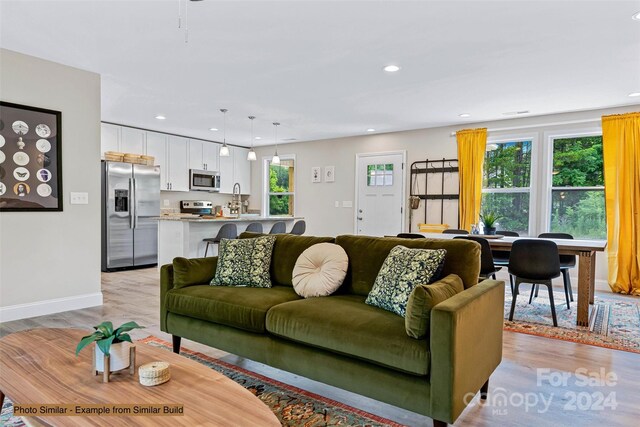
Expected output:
(340, 340)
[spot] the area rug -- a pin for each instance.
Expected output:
(293, 406)
(614, 322)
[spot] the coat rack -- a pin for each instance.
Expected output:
(428, 168)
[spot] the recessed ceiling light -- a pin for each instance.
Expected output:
(213, 129)
(636, 16)
(258, 137)
(632, 94)
(464, 115)
(160, 117)
(391, 68)
(371, 130)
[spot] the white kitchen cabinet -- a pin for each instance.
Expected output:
(157, 147)
(178, 160)
(226, 173)
(242, 169)
(210, 152)
(132, 140)
(235, 168)
(109, 138)
(203, 155)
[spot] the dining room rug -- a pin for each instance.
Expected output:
(292, 405)
(614, 321)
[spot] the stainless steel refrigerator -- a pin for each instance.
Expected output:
(130, 199)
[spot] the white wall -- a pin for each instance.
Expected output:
(316, 201)
(50, 261)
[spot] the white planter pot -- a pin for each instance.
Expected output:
(119, 357)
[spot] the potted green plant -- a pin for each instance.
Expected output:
(110, 342)
(489, 220)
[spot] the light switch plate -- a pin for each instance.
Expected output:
(337, 204)
(347, 204)
(79, 198)
(165, 203)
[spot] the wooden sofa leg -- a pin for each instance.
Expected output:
(437, 423)
(176, 343)
(484, 391)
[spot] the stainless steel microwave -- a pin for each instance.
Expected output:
(201, 180)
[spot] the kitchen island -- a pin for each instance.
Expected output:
(182, 237)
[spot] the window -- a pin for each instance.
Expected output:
(507, 183)
(380, 175)
(577, 193)
(280, 187)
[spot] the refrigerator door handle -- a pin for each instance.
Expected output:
(132, 203)
(135, 203)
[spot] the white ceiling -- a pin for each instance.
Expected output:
(316, 66)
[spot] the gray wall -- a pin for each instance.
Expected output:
(50, 261)
(316, 202)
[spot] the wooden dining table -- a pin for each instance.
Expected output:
(585, 250)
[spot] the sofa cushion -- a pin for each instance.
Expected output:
(320, 270)
(403, 270)
(194, 271)
(244, 262)
(366, 255)
(286, 251)
(344, 324)
(242, 308)
(423, 299)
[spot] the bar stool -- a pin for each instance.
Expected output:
(299, 227)
(487, 267)
(566, 262)
(536, 262)
(227, 231)
(454, 231)
(278, 228)
(410, 236)
(254, 227)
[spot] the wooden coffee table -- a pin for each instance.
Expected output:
(39, 366)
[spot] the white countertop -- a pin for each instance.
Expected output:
(248, 218)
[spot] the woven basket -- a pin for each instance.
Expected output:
(113, 156)
(148, 160)
(154, 373)
(133, 158)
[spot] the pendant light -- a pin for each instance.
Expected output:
(224, 150)
(251, 155)
(275, 160)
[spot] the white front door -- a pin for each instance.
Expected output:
(380, 187)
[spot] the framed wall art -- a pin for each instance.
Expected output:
(30, 158)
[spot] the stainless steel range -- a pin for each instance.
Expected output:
(197, 207)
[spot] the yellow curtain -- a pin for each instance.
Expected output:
(471, 149)
(621, 152)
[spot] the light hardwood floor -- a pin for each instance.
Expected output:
(134, 295)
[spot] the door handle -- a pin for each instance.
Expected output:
(359, 218)
(135, 204)
(131, 203)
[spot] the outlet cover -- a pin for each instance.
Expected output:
(165, 203)
(347, 204)
(337, 205)
(79, 198)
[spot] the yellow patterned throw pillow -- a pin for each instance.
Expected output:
(244, 262)
(403, 270)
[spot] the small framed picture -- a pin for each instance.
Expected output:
(316, 174)
(329, 173)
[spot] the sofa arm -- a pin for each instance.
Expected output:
(166, 284)
(466, 346)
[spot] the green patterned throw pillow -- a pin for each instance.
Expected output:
(244, 262)
(401, 272)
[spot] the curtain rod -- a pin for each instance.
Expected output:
(568, 122)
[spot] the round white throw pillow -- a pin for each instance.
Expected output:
(320, 270)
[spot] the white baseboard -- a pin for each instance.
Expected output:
(56, 305)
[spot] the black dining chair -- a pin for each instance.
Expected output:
(254, 227)
(501, 258)
(536, 262)
(278, 228)
(227, 231)
(454, 231)
(566, 262)
(487, 267)
(299, 227)
(410, 236)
